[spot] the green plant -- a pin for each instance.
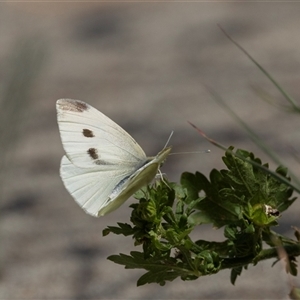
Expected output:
(246, 200)
(243, 199)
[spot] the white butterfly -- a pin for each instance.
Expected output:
(103, 165)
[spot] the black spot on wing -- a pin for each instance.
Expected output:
(93, 153)
(80, 106)
(72, 105)
(88, 133)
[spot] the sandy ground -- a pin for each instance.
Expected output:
(146, 66)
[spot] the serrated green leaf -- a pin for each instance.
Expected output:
(159, 277)
(219, 211)
(136, 260)
(193, 184)
(133, 261)
(157, 271)
(123, 228)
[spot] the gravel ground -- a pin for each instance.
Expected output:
(145, 65)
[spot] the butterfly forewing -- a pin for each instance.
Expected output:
(90, 138)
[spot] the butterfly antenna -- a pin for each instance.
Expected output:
(192, 152)
(168, 139)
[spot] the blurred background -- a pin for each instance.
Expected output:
(145, 65)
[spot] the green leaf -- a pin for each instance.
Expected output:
(235, 272)
(158, 271)
(124, 229)
(158, 276)
(213, 208)
(193, 184)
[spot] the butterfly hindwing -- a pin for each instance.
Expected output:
(91, 189)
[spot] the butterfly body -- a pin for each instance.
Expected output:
(103, 165)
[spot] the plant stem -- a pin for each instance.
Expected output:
(229, 263)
